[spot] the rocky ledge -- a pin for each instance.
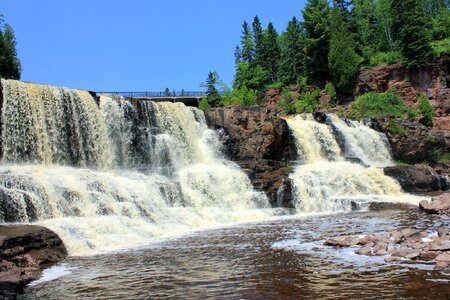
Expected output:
(438, 205)
(259, 141)
(418, 178)
(25, 250)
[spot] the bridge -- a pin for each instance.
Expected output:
(189, 98)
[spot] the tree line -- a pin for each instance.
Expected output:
(335, 40)
(10, 67)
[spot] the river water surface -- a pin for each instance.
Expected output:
(278, 259)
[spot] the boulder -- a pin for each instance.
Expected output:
(24, 251)
(437, 205)
(418, 178)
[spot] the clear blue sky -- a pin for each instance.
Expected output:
(134, 45)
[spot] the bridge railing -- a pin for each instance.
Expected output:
(158, 94)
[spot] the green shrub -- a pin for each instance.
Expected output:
(275, 85)
(241, 97)
(438, 155)
(426, 110)
(308, 102)
(285, 107)
(396, 128)
(379, 104)
(204, 104)
(441, 47)
(329, 88)
(381, 58)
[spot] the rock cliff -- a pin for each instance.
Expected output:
(434, 82)
(259, 141)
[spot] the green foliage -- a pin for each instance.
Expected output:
(329, 88)
(396, 128)
(426, 110)
(167, 92)
(441, 25)
(308, 102)
(378, 104)
(247, 53)
(204, 104)
(342, 58)
(413, 29)
(401, 163)
(316, 15)
(253, 78)
(10, 66)
(381, 58)
(271, 53)
(441, 47)
(293, 59)
(437, 155)
(212, 93)
(286, 107)
(241, 96)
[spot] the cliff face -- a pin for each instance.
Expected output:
(434, 82)
(259, 141)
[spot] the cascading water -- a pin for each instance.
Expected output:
(116, 174)
(324, 181)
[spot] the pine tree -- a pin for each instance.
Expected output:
(212, 93)
(412, 31)
(293, 59)
(167, 92)
(258, 42)
(247, 45)
(10, 66)
(271, 52)
(342, 58)
(237, 55)
(316, 15)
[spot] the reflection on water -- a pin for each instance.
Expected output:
(282, 259)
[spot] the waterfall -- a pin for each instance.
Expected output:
(116, 173)
(324, 181)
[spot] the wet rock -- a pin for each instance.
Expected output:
(445, 257)
(364, 251)
(341, 241)
(391, 259)
(443, 231)
(413, 255)
(440, 245)
(419, 178)
(260, 142)
(24, 251)
(376, 206)
(441, 265)
(428, 255)
(437, 205)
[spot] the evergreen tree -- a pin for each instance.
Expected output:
(183, 93)
(212, 93)
(237, 55)
(252, 78)
(342, 59)
(385, 20)
(271, 52)
(247, 45)
(316, 15)
(167, 92)
(293, 59)
(10, 66)
(412, 31)
(258, 42)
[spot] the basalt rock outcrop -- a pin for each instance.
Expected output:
(259, 141)
(433, 82)
(416, 143)
(418, 178)
(24, 251)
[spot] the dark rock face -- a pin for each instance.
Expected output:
(24, 251)
(419, 178)
(258, 140)
(418, 142)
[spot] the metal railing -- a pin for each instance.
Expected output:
(158, 94)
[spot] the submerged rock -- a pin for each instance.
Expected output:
(25, 250)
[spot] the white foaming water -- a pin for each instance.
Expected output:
(53, 273)
(323, 181)
(150, 169)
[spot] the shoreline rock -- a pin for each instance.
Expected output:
(25, 250)
(418, 178)
(438, 205)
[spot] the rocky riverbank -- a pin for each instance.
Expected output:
(25, 250)
(406, 244)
